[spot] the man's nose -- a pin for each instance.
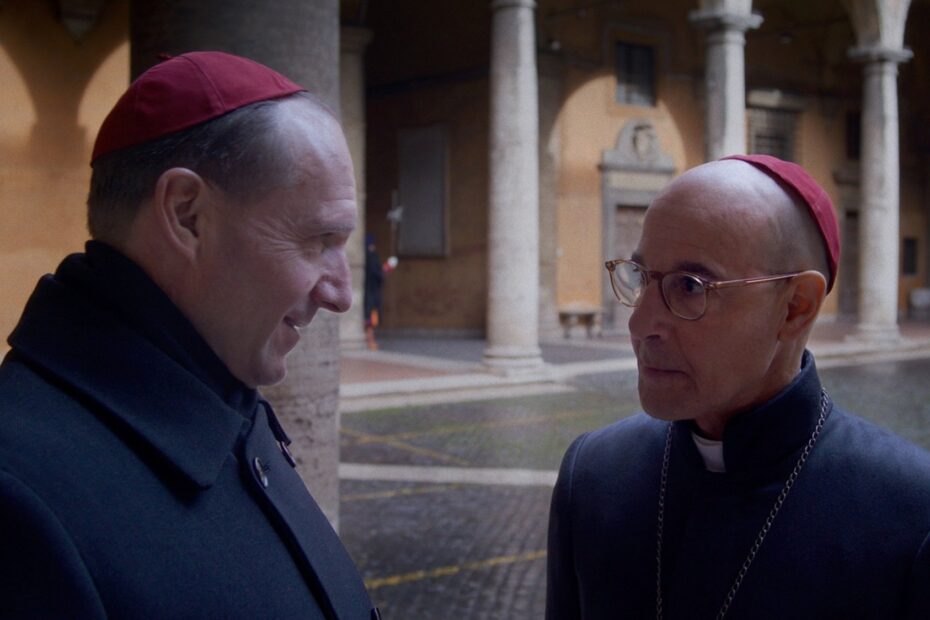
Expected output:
(333, 292)
(651, 317)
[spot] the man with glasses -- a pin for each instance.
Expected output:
(743, 491)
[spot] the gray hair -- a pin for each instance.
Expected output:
(240, 152)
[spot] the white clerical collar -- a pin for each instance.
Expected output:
(712, 453)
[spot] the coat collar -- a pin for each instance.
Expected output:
(85, 343)
(772, 433)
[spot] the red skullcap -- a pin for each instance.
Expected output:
(184, 91)
(814, 196)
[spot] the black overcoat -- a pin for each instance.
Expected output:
(851, 540)
(135, 482)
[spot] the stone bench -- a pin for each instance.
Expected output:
(587, 316)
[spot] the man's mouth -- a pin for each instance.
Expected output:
(655, 364)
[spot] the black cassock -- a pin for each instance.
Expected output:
(850, 541)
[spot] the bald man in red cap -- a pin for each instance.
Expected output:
(742, 491)
(142, 475)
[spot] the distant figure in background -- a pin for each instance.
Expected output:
(374, 281)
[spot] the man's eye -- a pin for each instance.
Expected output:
(333, 241)
(689, 285)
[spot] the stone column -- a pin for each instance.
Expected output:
(305, 47)
(879, 210)
(352, 92)
(513, 204)
(879, 27)
(725, 21)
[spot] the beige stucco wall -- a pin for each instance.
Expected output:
(590, 122)
(813, 67)
(820, 148)
(913, 224)
(448, 293)
(914, 101)
(55, 94)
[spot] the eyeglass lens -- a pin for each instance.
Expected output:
(684, 294)
(628, 281)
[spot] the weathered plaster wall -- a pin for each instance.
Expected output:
(447, 293)
(55, 94)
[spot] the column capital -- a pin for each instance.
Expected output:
(879, 53)
(354, 39)
(496, 5)
(715, 19)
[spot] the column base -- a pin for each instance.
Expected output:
(353, 343)
(511, 360)
(875, 333)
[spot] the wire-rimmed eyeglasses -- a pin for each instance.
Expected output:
(684, 294)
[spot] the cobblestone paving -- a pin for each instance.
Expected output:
(447, 551)
(530, 432)
(472, 350)
(895, 395)
(437, 551)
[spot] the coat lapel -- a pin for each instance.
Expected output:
(331, 572)
(134, 383)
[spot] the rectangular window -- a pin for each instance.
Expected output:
(772, 132)
(422, 191)
(909, 257)
(853, 135)
(635, 68)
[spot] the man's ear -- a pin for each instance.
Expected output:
(806, 293)
(180, 198)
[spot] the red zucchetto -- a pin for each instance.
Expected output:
(793, 176)
(184, 91)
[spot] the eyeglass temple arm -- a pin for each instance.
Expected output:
(748, 281)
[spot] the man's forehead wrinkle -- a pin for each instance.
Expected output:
(334, 217)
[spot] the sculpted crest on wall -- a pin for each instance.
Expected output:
(638, 148)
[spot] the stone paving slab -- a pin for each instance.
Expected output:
(472, 349)
(507, 476)
(530, 432)
(411, 372)
(357, 370)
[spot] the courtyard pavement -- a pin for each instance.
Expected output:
(447, 469)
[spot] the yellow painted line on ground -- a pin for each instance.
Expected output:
(355, 497)
(445, 571)
(361, 437)
(451, 429)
